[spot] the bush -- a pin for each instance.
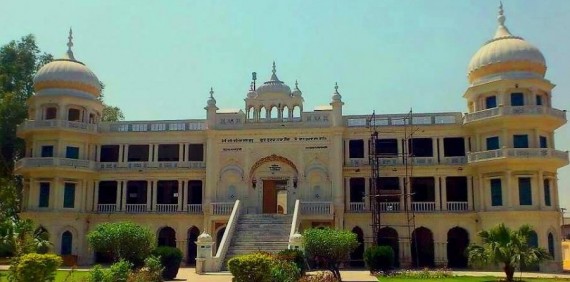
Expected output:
(251, 267)
(330, 247)
(379, 258)
(284, 271)
(295, 256)
(123, 240)
(118, 272)
(170, 259)
(34, 267)
(319, 277)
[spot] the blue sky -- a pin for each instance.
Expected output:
(158, 59)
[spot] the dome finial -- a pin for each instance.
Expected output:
(296, 84)
(69, 45)
(501, 18)
(274, 73)
(336, 88)
(211, 92)
(274, 70)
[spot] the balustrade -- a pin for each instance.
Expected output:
(316, 208)
(135, 208)
(166, 208)
(423, 206)
(222, 208)
(518, 153)
(194, 208)
(457, 206)
(106, 208)
(390, 206)
(356, 207)
(514, 110)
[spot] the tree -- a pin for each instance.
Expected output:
(111, 113)
(123, 240)
(20, 236)
(501, 245)
(330, 247)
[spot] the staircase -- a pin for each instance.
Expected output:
(259, 232)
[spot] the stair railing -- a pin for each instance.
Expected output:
(228, 234)
(295, 222)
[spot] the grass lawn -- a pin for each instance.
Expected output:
(469, 279)
(61, 276)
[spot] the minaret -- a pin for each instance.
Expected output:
(336, 104)
(211, 109)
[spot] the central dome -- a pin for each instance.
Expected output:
(273, 85)
(506, 55)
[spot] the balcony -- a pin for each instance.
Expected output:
(166, 208)
(135, 208)
(106, 208)
(457, 206)
(55, 162)
(222, 208)
(454, 160)
(514, 111)
(142, 208)
(61, 124)
(390, 206)
(317, 208)
(194, 208)
(150, 165)
(423, 206)
(356, 207)
(519, 153)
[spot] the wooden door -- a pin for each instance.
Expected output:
(269, 196)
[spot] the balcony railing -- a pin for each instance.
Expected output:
(454, 160)
(222, 208)
(106, 208)
(135, 208)
(194, 208)
(166, 208)
(55, 162)
(356, 207)
(390, 206)
(316, 208)
(423, 160)
(73, 125)
(150, 165)
(423, 206)
(514, 111)
(518, 153)
(457, 206)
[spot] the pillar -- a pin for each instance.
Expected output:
(470, 202)
(150, 150)
(121, 150)
(180, 152)
(148, 195)
(124, 199)
(443, 184)
(510, 190)
(154, 185)
(96, 196)
(126, 153)
(481, 186)
(155, 153)
(437, 193)
(540, 193)
(54, 200)
(185, 195)
(367, 193)
(179, 198)
(118, 200)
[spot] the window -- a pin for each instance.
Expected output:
(168, 152)
(72, 152)
(66, 243)
(44, 195)
(194, 192)
(356, 149)
(47, 151)
(493, 143)
(517, 99)
(525, 193)
(551, 244)
(520, 141)
(357, 190)
(543, 142)
(421, 147)
(456, 188)
(110, 153)
(496, 192)
(196, 152)
(454, 147)
(547, 200)
(51, 113)
(538, 100)
(138, 153)
(73, 115)
(387, 148)
(69, 195)
(423, 189)
(491, 102)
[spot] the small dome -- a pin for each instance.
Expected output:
(251, 94)
(506, 53)
(204, 238)
(67, 73)
(296, 92)
(296, 238)
(273, 85)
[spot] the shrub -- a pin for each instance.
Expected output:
(251, 267)
(118, 272)
(295, 256)
(329, 246)
(319, 277)
(151, 272)
(34, 267)
(170, 259)
(123, 240)
(284, 271)
(379, 258)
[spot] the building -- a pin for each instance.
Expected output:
(496, 163)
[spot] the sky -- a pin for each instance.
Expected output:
(158, 59)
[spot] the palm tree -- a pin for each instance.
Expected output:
(19, 236)
(501, 245)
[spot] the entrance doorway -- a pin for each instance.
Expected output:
(271, 189)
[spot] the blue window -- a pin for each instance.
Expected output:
(72, 153)
(44, 195)
(66, 243)
(496, 192)
(525, 193)
(69, 195)
(517, 99)
(538, 100)
(493, 143)
(47, 151)
(543, 142)
(551, 244)
(520, 141)
(547, 200)
(491, 102)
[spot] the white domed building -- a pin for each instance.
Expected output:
(457, 175)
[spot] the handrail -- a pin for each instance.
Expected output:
(295, 222)
(228, 234)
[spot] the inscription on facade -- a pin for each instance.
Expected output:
(274, 139)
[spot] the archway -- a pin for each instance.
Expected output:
(42, 234)
(66, 243)
(388, 236)
(532, 241)
(167, 237)
(357, 256)
(192, 237)
(457, 242)
(219, 236)
(422, 248)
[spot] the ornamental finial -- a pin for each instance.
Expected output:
(296, 84)
(274, 70)
(501, 18)
(211, 92)
(335, 87)
(69, 45)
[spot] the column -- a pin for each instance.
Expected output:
(443, 193)
(124, 199)
(439, 154)
(184, 195)
(437, 193)
(481, 185)
(367, 193)
(148, 195)
(186, 151)
(55, 201)
(509, 190)
(540, 190)
(179, 198)
(118, 200)
(180, 152)
(554, 192)
(33, 195)
(403, 196)
(98, 153)
(125, 158)
(155, 153)
(150, 150)
(154, 186)
(121, 153)
(96, 196)
(470, 202)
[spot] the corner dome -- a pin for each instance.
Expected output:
(67, 75)
(273, 85)
(505, 55)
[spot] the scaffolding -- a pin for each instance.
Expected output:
(378, 194)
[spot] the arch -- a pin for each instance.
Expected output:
(50, 112)
(42, 233)
(231, 168)
(422, 248)
(273, 112)
(167, 237)
(219, 236)
(457, 242)
(192, 251)
(285, 113)
(388, 236)
(318, 168)
(296, 112)
(551, 248)
(532, 241)
(262, 113)
(250, 112)
(357, 256)
(66, 247)
(272, 158)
